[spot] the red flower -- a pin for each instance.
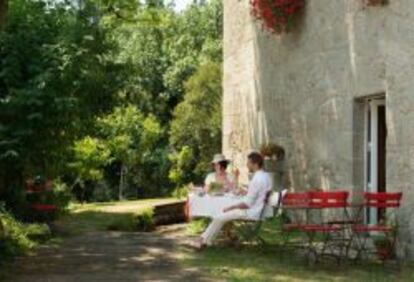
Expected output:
(276, 15)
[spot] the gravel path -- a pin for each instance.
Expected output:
(109, 256)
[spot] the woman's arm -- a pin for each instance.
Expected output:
(236, 174)
(209, 179)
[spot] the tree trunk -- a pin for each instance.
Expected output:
(3, 12)
(121, 184)
(2, 231)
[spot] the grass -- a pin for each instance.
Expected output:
(252, 263)
(196, 227)
(120, 216)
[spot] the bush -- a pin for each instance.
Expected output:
(196, 227)
(122, 223)
(145, 221)
(15, 201)
(61, 196)
(17, 238)
(102, 192)
(180, 192)
(38, 232)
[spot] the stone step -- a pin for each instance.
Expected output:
(170, 213)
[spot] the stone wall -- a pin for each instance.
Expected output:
(303, 90)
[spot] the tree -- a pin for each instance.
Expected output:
(130, 136)
(196, 128)
(90, 157)
(3, 12)
(163, 50)
(193, 38)
(90, 76)
(56, 75)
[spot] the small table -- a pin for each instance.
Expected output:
(212, 205)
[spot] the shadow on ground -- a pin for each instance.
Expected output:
(89, 251)
(106, 256)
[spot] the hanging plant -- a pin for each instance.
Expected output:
(272, 151)
(276, 16)
(375, 2)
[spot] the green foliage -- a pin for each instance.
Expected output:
(145, 220)
(55, 76)
(126, 132)
(183, 161)
(141, 221)
(62, 196)
(17, 238)
(103, 192)
(125, 223)
(196, 227)
(181, 192)
(196, 129)
(164, 49)
(89, 89)
(15, 200)
(131, 139)
(90, 155)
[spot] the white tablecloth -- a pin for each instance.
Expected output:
(212, 206)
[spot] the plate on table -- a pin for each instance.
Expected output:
(235, 196)
(197, 191)
(217, 194)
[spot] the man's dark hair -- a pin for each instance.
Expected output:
(256, 158)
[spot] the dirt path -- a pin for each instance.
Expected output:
(109, 256)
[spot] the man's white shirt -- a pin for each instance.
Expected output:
(256, 194)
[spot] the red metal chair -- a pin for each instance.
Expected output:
(328, 204)
(385, 202)
(295, 206)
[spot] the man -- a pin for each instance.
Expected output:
(249, 208)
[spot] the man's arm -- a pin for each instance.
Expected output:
(252, 192)
(241, 206)
(249, 198)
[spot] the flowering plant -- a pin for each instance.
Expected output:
(215, 187)
(276, 15)
(272, 151)
(375, 2)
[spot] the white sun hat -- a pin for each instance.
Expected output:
(219, 158)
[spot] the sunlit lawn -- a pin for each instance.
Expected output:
(119, 207)
(104, 216)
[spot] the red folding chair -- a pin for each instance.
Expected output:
(44, 212)
(387, 204)
(330, 206)
(295, 206)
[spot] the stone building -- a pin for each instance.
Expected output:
(337, 93)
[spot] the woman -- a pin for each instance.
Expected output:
(227, 180)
